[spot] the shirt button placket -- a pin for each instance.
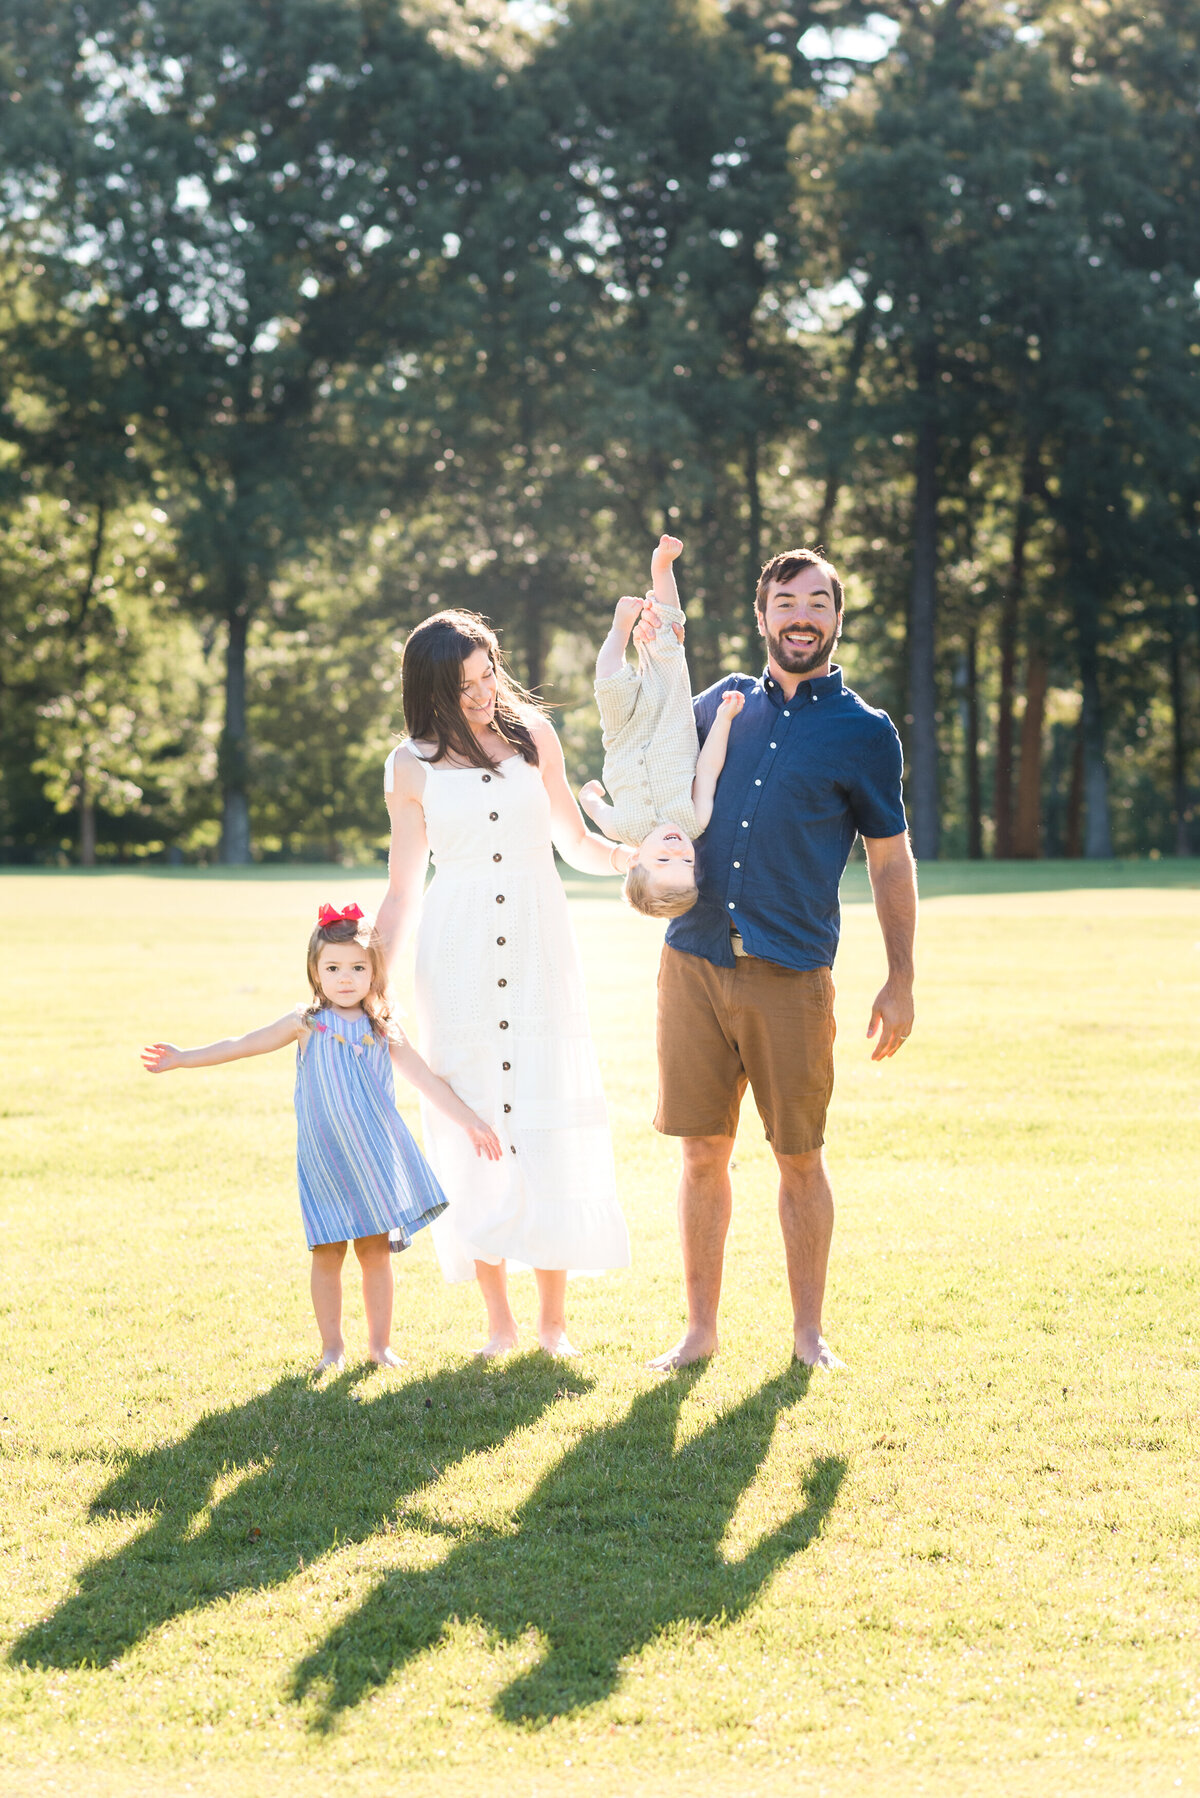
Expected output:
(501, 983)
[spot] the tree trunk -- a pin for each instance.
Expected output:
(1027, 825)
(970, 719)
(232, 759)
(1097, 838)
(840, 428)
(1074, 843)
(87, 820)
(922, 618)
(1010, 613)
(754, 513)
(1179, 743)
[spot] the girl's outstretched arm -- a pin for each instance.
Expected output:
(410, 1066)
(160, 1058)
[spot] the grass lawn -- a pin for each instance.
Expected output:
(968, 1565)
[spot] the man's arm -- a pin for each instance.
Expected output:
(894, 889)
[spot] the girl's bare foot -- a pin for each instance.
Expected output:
(331, 1357)
(501, 1343)
(555, 1342)
(386, 1358)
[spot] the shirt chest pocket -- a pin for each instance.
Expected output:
(807, 783)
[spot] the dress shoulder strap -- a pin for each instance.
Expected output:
(389, 767)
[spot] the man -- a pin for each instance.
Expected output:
(745, 993)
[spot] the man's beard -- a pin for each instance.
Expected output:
(795, 661)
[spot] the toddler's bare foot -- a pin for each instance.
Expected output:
(812, 1348)
(501, 1342)
(555, 1342)
(386, 1358)
(693, 1345)
(664, 553)
(331, 1357)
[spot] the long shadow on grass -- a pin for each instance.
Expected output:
(322, 1471)
(619, 1542)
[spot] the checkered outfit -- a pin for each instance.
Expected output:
(650, 741)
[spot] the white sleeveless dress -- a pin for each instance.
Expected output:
(502, 1016)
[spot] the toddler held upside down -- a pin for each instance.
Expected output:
(660, 781)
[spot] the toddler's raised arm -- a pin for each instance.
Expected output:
(711, 759)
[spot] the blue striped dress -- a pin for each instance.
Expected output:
(360, 1171)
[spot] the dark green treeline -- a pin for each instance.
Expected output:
(316, 314)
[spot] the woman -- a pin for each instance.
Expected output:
(480, 783)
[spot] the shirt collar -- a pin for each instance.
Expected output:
(825, 686)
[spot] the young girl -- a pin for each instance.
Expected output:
(361, 1174)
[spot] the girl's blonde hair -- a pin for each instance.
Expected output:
(377, 1004)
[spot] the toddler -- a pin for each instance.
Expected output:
(362, 1177)
(661, 781)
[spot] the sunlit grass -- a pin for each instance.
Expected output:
(968, 1565)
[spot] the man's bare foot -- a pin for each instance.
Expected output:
(331, 1357)
(386, 1358)
(812, 1348)
(555, 1342)
(501, 1343)
(693, 1345)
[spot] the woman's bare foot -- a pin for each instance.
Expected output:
(331, 1357)
(812, 1348)
(501, 1343)
(386, 1358)
(555, 1342)
(693, 1345)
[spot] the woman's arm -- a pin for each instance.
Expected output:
(711, 759)
(408, 855)
(572, 838)
(160, 1058)
(410, 1066)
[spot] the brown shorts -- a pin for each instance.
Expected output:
(756, 1024)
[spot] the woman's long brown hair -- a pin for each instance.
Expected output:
(431, 673)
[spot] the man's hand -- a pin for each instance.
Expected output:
(892, 1017)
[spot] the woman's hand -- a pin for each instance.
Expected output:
(483, 1138)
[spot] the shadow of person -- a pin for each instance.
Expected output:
(621, 1540)
(317, 1469)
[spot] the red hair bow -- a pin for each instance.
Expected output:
(329, 914)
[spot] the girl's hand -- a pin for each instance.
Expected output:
(160, 1058)
(483, 1138)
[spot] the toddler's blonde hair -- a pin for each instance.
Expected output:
(642, 897)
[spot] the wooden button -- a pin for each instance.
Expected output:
(506, 1065)
(504, 1023)
(499, 898)
(513, 1147)
(493, 816)
(487, 777)
(497, 858)
(502, 940)
(508, 1108)
(502, 983)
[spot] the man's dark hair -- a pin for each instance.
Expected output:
(791, 562)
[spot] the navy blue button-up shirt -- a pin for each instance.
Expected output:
(801, 778)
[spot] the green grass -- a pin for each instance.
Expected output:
(971, 1564)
